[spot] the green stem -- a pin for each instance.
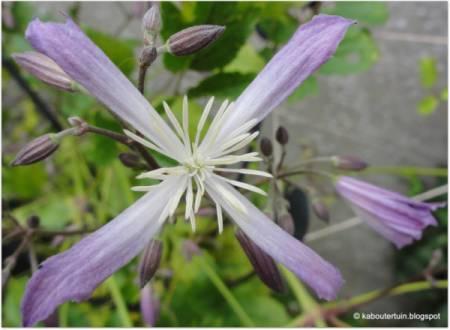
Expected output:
(406, 170)
(343, 306)
(226, 293)
(119, 302)
(306, 302)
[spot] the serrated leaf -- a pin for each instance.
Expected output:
(223, 85)
(308, 87)
(356, 53)
(119, 51)
(372, 13)
(428, 72)
(427, 105)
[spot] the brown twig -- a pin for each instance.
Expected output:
(41, 106)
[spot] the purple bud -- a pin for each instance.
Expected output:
(149, 306)
(45, 69)
(36, 150)
(148, 55)
(349, 163)
(193, 39)
(282, 135)
(262, 263)
(131, 160)
(266, 147)
(287, 223)
(149, 261)
(151, 24)
(33, 221)
(320, 210)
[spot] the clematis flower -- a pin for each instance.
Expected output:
(399, 219)
(75, 273)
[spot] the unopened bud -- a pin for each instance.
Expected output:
(33, 221)
(37, 150)
(282, 135)
(193, 39)
(349, 163)
(149, 306)
(287, 223)
(45, 69)
(131, 160)
(266, 147)
(149, 262)
(151, 24)
(320, 210)
(148, 55)
(262, 263)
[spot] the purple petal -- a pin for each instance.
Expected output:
(75, 273)
(85, 63)
(149, 306)
(311, 46)
(320, 275)
(398, 218)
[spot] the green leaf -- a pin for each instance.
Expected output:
(238, 18)
(223, 85)
(246, 61)
(372, 13)
(119, 51)
(24, 182)
(428, 72)
(23, 12)
(427, 105)
(76, 104)
(356, 53)
(308, 87)
(11, 302)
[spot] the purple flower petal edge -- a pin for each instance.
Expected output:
(75, 273)
(319, 274)
(399, 219)
(310, 47)
(84, 62)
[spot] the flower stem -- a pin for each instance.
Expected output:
(231, 300)
(119, 302)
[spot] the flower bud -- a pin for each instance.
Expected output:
(131, 160)
(149, 261)
(282, 135)
(148, 55)
(320, 210)
(193, 39)
(45, 69)
(262, 263)
(149, 306)
(33, 221)
(349, 163)
(151, 24)
(266, 147)
(37, 150)
(287, 223)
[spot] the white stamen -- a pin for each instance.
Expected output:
(243, 171)
(246, 186)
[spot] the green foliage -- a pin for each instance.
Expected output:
(364, 12)
(223, 85)
(427, 105)
(309, 87)
(356, 53)
(428, 72)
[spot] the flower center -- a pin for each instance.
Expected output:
(199, 160)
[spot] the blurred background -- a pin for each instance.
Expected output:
(382, 97)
